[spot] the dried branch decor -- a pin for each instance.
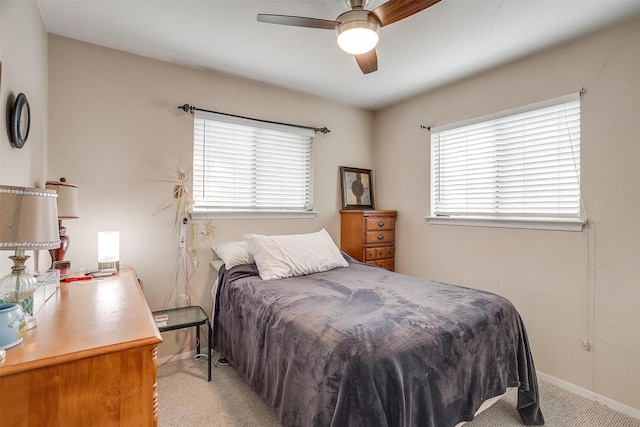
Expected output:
(180, 198)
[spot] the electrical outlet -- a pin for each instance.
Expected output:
(586, 344)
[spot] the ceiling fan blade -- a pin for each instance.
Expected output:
(395, 10)
(297, 21)
(368, 62)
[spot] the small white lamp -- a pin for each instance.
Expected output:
(109, 250)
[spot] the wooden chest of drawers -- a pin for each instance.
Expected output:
(369, 236)
(92, 360)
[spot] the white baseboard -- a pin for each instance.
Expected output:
(616, 406)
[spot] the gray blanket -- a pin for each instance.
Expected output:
(362, 346)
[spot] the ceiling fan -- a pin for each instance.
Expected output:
(357, 29)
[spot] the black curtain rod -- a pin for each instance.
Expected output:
(190, 109)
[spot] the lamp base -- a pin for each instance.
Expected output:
(58, 253)
(115, 265)
(19, 285)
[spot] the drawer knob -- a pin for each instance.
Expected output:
(381, 224)
(380, 236)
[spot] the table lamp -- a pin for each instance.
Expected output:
(67, 209)
(28, 221)
(108, 250)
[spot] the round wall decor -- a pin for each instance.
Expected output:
(20, 121)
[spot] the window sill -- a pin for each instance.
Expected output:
(533, 223)
(210, 214)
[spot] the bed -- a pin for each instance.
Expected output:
(358, 345)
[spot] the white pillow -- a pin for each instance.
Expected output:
(292, 255)
(234, 253)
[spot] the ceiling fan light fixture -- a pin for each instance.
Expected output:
(357, 37)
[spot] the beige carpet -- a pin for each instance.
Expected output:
(186, 398)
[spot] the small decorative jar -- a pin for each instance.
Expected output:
(12, 325)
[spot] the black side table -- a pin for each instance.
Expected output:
(185, 317)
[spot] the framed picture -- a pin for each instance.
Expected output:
(357, 188)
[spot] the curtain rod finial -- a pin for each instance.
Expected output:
(324, 130)
(186, 108)
(425, 127)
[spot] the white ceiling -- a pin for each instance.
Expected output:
(448, 41)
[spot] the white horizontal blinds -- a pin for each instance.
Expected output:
(521, 165)
(243, 165)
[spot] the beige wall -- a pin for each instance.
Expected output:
(23, 52)
(116, 131)
(566, 285)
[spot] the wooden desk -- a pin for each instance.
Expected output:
(92, 359)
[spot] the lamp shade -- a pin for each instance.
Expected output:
(67, 198)
(28, 218)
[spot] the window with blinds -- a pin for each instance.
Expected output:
(240, 165)
(511, 166)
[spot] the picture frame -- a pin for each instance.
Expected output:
(357, 188)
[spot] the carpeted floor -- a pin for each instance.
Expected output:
(186, 398)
